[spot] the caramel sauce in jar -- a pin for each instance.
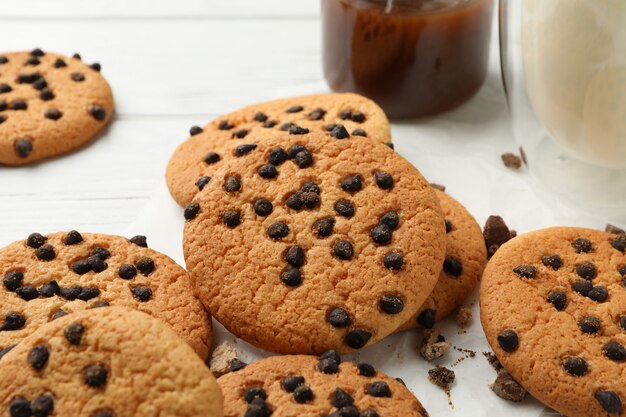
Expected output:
(413, 57)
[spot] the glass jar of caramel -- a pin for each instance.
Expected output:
(413, 57)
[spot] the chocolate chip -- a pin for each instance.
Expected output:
(304, 159)
(45, 253)
(278, 230)
(303, 394)
(338, 317)
(236, 365)
(254, 392)
(97, 112)
(575, 365)
(37, 52)
(13, 321)
(598, 294)
(127, 271)
(95, 376)
(232, 184)
(27, 292)
(101, 304)
(381, 234)
(268, 171)
(553, 261)
(23, 147)
(589, 324)
(379, 389)
(74, 333)
(260, 117)
(42, 406)
(448, 225)
(77, 76)
(587, 271)
(508, 340)
(323, 227)
(38, 357)
(582, 287)
(232, 218)
(224, 125)
(3, 118)
(298, 130)
(195, 130)
(5, 88)
(263, 207)
(46, 94)
(95, 66)
(558, 299)
(294, 201)
(58, 314)
(28, 78)
(328, 366)
(286, 126)
(103, 414)
(393, 261)
(145, 266)
(81, 266)
(331, 354)
(453, 267)
(270, 124)
(6, 350)
(348, 411)
(619, 243)
(622, 271)
(317, 114)
(88, 293)
(101, 253)
(369, 412)
(140, 240)
(97, 265)
(277, 156)
(343, 250)
(3, 59)
(18, 105)
(59, 63)
(291, 277)
(3, 105)
(358, 338)
(244, 149)
(365, 369)
(71, 293)
(384, 180)
(310, 200)
(191, 211)
(141, 293)
(40, 84)
(294, 256)
(13, 280)
(294, 109)
(258, 408)
(363, 133)
(622, 322)
(211, 158)
(391, 219)
(610, 401)
(391, 304)
(582, 245)
(427, 318)
(344, 208)
(614, 351)
(19, 407)
(339, 132)
(526, 271)
(33, 61)
(290, 383)
(202, 182)
(73, 238)
(352, 183)
(340, 398)
(240, 134)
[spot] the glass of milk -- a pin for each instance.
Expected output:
(564, 70)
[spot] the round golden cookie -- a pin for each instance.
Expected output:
(104, 363)
(553, 307)
(207, 149)
(466, 256)
(47, 277)
(50, 104)
(301, 385)
(333, 246)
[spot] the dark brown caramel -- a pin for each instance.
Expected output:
(419, 58)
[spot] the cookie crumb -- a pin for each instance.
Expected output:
(438, 186)
(463, 317)
(511, 160)
(496, 233)
(222, 356)
(507, 388)
(443, 378)
(433, 345)
(614, 229)
(493, 360)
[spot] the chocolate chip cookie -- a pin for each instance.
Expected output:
(338, 116)
(297, 385)
(466, 256)
(104, 363)
(309, 244)
(47, 277)
(553, 307)
(50, 104)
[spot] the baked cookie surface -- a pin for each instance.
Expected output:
(553, 307)
(50, 104)
(466, 256)
(336, 115)
(301, 385)
(104, 363)
(47, 277)
(309, 244)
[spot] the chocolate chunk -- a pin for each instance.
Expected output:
(277, 156)
(609, 400)
(13, 280)
(268, 171)
(211, 158)
(202, 182)
(290, 383)
(553, 261)
(13, 321)
(254, 392)
(323, 227)
(77, 76)
(58, 314)
(558, 299)
(88, 293)
(97, 112)
(507, 388)
(236, 365)
(139, 240)
(582, 287)
(317, 114)
(74, 333)
(340, 398)
(339, 132)
(508, 340)
(496, 232)
(38, 357)
(511, 160)
(344, 208)
(27, 292)
(391, 304)
(343, 250)
(191, 211)
(614, 351)
(19, 407)
(575, 365)
(358, 338)
(59, 63)
(224, 125)
(582, 245)
(45, 253)
(298, 130)
(589, 324)
(304, 159)
(352, 183)
(142, 293)
(101, 253)
(365, 369)
(294, 256)
(23, 147)
(379, 389)
(338, 317)
(526, 271)
(260, 117)
(97, 265)
(619, 243)
(427, 318)
(71, 293)
(598, 294)
(46, 94)
(232, 218)
(127, 271)
(244, 149)
(381, 234)
(232, 184)
(292, 277)
(384, 180)
(263, 207)
(240, 134)
(6, 350)
(18, 105)
(278, 230)
(81, 266)
(303, 394)
(5, 88)
(145, 266)
(453, 267)
(95, 376)
(393, 261)
(42, 406)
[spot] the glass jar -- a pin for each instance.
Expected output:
(413, 57)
